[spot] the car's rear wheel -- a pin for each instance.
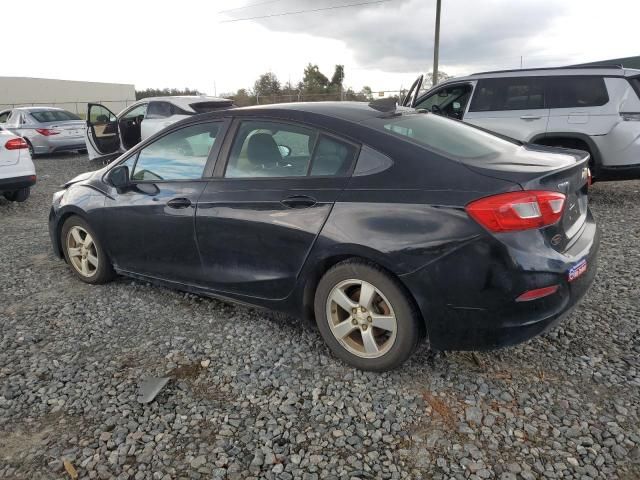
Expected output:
(365, 316)
(19, 195)
(84, 252)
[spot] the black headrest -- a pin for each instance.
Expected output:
(263, 150)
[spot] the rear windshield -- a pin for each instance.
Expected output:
(204, 107)
(44, 116)
(448, 137)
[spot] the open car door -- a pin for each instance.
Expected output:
(414, 91)
(102, 136)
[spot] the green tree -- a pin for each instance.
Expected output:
(366, 93)
(165, 92)
(267, 85)
(314, 80)
(338, 76)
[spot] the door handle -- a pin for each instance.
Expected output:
(530, 117)
(179, 203)
(299, 201)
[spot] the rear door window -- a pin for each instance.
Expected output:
(332, 157)
(500, 94)
(574, 92)
(159, 110)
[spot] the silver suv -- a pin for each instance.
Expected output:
(596, 109)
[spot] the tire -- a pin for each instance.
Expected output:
(390, 320)
(19, 195)
(87, 259)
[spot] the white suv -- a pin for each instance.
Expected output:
(596, 109)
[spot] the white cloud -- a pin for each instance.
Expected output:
(179, 44)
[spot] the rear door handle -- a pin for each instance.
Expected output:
(530, 117)
(299, 201)
(179, 203)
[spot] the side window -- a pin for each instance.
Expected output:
(450, 101)
(332, 157)
(575, 92)
(4, 116)
(140, 110)
(270, 149)
(98, 115)
(14, 118)
(517, 93)
(180, 155)
(159, 110)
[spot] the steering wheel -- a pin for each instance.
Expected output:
(436, 109)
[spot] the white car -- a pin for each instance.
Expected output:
(596, 109)
(108, 135)
(17, 172)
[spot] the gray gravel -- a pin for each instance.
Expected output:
(256, 396)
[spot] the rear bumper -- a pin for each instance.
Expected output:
(54, 143)
(16, 183)
(472, 305)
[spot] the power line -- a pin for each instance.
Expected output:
(307, 11)
(249, 6)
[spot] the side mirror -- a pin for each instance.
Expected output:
(456, 106)
(284, 150)
(119, 176)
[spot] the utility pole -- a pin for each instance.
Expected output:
(436, 44)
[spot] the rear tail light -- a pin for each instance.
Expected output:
(514, 211)
(16, 144)
(47, 132)
(537, 293)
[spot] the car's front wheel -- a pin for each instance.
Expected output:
(84, 252)
(365, 316)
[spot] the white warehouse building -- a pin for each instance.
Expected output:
(71, 95)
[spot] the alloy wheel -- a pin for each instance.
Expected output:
(82, 251)
(361, 318)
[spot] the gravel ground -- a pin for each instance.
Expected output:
(256, 396)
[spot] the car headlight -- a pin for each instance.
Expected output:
(57, 197)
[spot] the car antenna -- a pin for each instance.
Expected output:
(384, 105)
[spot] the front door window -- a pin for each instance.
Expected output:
(180, 155)
(448, 101)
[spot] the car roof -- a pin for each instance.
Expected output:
(355, 112)
(38, 109)
(185, 101)
(604, 70)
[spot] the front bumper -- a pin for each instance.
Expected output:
(467, 299)
(16, 183)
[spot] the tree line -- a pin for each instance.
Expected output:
(314, 86)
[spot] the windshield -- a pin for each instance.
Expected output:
(44, 116)
(448, 137)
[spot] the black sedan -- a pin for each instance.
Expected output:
(385, 226)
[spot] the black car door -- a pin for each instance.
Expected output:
(151, 222)
(257, 220)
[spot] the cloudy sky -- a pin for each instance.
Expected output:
(199, 43)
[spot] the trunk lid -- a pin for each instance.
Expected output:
(537, 167)
(68, 129)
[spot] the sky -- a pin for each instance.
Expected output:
(208, 45)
